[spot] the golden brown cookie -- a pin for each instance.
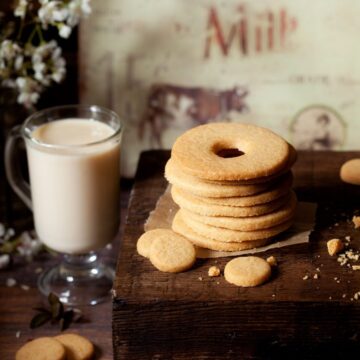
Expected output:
(350, 171)
(284, 213)
(172, 252)
(247, 271)
(145, 240)
(281, 188)
(228, 235)
(205, 188)
(179, 226)
(77, 347)
(207, 151)
(43, 348)
(198, 206)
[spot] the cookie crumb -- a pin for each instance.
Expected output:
(316, 276)
(25, 287)
(200, 278)
(318, 269)
(343, 296)
(356, 221)
(348, 238)
(10, 282)
(18, 334)
(217, 283)
(330, 297)
(356, 267)
(213, 271)
(334, 246)
(273, 295)
(272, 261)
(305, 277)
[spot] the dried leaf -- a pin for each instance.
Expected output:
(39, 319)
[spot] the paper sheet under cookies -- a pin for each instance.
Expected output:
(165, 210)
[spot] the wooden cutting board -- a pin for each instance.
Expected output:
(192, 316)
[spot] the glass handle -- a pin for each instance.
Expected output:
(12, 168)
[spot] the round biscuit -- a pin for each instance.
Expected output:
(172, 252)
(281, 188)
(284, 213)
(227, 235)
(264, 152)
(43, 348)
(77, 347)
(145, 240)
(198, 206)
(180, 227)
(247, 271)
(205, 188)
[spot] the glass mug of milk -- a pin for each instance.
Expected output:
(73, 157)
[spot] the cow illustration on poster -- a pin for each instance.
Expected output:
(184, 107)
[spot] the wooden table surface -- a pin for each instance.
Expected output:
(189, 315)
(16, 304)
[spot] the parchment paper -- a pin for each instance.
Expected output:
(165, 210)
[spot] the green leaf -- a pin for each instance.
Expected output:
(66, 320)
(42, 310)
(39, 319)
(53, 299)
(57, 310)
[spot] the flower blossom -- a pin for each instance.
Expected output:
(20, 10)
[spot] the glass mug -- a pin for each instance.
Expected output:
(73, 157)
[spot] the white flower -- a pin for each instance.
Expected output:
(18, 62)
(29, 91)
(64, 31)
(20, 10)
(9, 50)
(49, 11)
(4, 261)
(48, 64)
(29, 246)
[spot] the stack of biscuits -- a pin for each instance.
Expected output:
(232, 183)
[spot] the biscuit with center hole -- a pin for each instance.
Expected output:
(198, 206)
(276, 191)
(247, 271)
(43, 348)
(227, 235)
(258, 152)
(171, 252)
(210, 189)
(77, 347)
(180, 227)
(286, 212)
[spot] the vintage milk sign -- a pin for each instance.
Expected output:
(168, 65)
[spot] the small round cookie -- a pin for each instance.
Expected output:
(227, 235)
(258, 152)
(172, 252)
(198, 206)
(284, 213)
(247, 271)
(43, 348)
(145, 240)
(77, 347)
(350, 172)
(181, 228)
(276, 191)
(205, 188)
